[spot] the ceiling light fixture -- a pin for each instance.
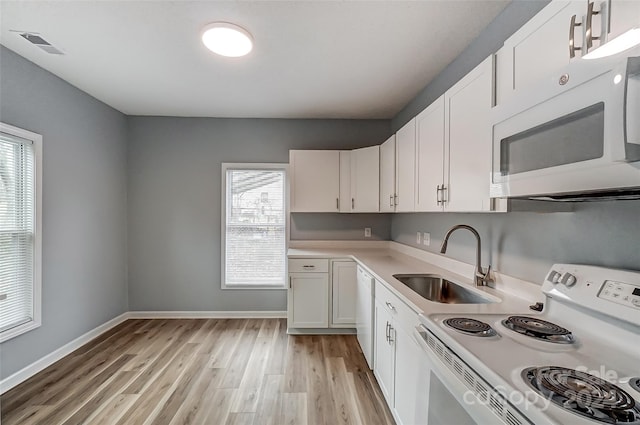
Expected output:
(227, 39)
(619, 44)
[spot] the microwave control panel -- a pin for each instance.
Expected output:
(621, 293)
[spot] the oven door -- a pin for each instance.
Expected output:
(449, 400)
(577, 136)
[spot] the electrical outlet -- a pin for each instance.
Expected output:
(367, 232)
(418, 238)
(426, 239)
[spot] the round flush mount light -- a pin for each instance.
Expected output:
(227, 39)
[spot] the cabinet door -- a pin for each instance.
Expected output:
(346, 170)
(468, 132)
(308, 300)
(410, 391)
(315, 180)
(539, 48)
(430, 156)
(365, 179)
(364, 314)
(384, 356)
(388, 174)
(625, 15)
(344, 287)
(405, 167)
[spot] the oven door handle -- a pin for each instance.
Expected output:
(481, 413)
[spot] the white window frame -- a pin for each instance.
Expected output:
(37, 254)
(252, 166)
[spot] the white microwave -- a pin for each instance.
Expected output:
(575, 133)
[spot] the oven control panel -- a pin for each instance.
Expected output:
(621, 293)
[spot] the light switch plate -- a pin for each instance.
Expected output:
(426, 239)
(367, 232)
(418, 238)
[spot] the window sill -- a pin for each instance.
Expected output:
(19, 330)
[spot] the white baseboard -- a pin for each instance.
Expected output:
(27, 372)
(207, 314)
(46, 361)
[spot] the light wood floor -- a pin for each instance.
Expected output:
(203, 372)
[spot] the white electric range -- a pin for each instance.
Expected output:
(576, 362)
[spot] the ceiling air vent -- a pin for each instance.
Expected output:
(41, 43)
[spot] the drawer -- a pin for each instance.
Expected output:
(404, 315)
(308, 265)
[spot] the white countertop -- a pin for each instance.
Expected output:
(384, 262)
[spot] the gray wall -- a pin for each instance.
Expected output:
(519, 243)
(526, 244)
(84, 206)
(175, 201)
(323, 226)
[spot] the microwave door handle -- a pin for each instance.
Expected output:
(624, 105)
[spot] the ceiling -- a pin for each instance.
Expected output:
(312, 59)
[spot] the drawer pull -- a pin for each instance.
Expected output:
(308, 266)
(391, 307)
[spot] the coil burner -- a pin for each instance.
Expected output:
(583, 394)
(539, 329)
(470, 326)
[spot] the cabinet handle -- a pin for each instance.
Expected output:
(391, 339)
(444, 199)
(438, 195)
(391, 307)
(338, 204)
(391, 201)
(395, 200)
(290, 287)
(308, 267)
(353, 203)
(572, 30)
(387, 331)
(589, 29)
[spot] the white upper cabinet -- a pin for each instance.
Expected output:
(405, 167)
(562, 32)
(468, 133)
(365, 179)
(539, 48)
(388, 175)
(430, 145)
(345, 181)
(453, 149)
(624, 15)
(315, 180)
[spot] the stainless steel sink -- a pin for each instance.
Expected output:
(436, 288)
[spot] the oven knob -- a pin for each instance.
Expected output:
(568, 280)
(554, 276)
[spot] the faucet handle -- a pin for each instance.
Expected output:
(485, 276)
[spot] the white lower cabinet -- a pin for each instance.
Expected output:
(397, 358)
(385, 352)
(321, 294)
(308, 300)
(411, 384)
(344, 286)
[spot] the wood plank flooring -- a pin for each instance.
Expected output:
(203, 371)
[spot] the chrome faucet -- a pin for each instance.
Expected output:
(481, 278)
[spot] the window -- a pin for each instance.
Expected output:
(20, 224)
(254, 221)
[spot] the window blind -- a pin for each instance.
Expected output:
(255, 227)
(17, 231)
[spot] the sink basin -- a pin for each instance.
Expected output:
(438, 289)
